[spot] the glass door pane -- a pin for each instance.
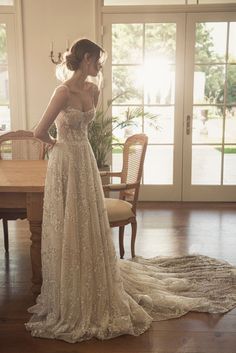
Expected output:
(214, 87)
(145, 65)
(6, 2)
(211, 143)
(143, 80)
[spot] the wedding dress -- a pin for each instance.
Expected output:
(87, 292)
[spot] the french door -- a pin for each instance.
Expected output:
(209, 144)
(175, 71)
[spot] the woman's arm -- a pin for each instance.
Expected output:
(57, 103)
(96, 93)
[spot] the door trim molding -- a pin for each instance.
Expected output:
(143, 9)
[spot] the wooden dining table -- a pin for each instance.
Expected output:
(22, 187)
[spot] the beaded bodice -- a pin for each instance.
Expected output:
(72, 124)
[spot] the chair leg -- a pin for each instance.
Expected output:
(121, 241)
(5, 232)
(133, 237)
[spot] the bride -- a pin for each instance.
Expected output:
(87, 292)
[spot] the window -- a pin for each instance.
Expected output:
(12, 98)
(143, 68)
(214, 104)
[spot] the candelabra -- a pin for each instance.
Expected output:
(57, 60)
(59, 57)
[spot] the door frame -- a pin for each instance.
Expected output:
(199, 192)
(124, 14)
(155, 192)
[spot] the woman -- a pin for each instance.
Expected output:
(86, 291)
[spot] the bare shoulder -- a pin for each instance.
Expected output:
(60, 96)
(94, 92)
(92, 87)
(62, 90)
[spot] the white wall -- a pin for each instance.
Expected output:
(45, 21)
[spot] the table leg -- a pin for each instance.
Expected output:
(34, 215)
(35, 254)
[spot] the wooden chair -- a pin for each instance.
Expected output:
(18, 145)
(122, 211)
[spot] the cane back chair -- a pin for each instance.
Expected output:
(122, 211)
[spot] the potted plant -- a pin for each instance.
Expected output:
(101, 130)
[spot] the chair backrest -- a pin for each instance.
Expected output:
(133, 159)
(21, 145)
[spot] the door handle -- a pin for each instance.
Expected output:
(188, 125)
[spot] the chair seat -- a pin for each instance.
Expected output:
(118, 210)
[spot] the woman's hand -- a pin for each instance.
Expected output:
(49, 146)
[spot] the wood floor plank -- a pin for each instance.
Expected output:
(164, 229)
(198, 322)
(150, 342)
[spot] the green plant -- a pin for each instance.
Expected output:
(101, 130)
(53, 130)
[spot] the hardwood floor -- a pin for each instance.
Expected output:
(163, 229)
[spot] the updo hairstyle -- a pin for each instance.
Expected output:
(78, 51)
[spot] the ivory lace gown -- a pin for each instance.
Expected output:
(87, 292)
